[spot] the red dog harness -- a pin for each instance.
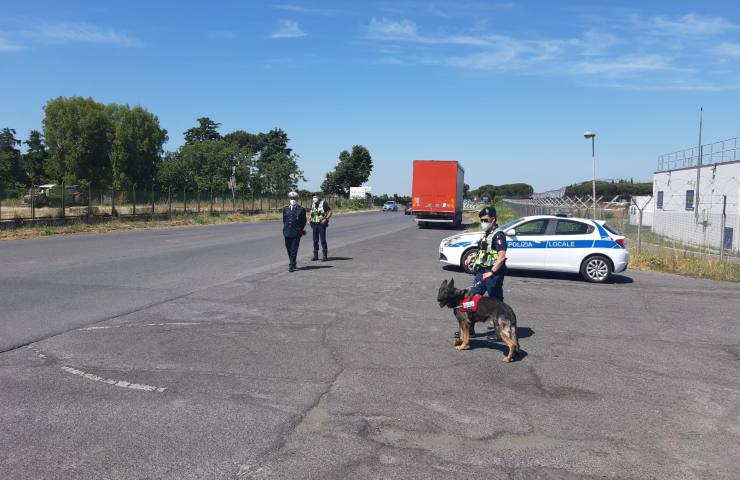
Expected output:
(469, 305)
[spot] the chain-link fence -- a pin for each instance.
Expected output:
(648, 229)
(56, 202)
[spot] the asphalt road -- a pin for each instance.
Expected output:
(50, 285)
(347, 370)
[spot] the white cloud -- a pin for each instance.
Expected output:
(62, 32)
(622, 51)
(727, 50)
(8, 46)
(288, 29)
(385, 29)
(306, 10)
(595, 43)
(625, 64)
(692, 25)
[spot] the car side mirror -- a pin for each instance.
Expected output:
(511, 232)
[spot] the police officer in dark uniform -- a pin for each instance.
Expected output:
(294, 224)
(320, 215)
(490, 263)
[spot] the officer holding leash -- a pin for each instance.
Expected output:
(490, 263)
(294, 224)
(320, 215)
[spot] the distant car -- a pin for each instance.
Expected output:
(407, 210)
(390, 206)
(51, 194)
(550, 243)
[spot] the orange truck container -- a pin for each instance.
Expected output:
(437, 192)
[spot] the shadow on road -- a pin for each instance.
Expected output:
(573, 277)
(313, 267)
(339, 258)
(496, 345)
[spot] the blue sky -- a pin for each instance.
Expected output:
(505, 87)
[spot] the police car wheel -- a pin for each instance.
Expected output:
(467, 259)
(596, 269)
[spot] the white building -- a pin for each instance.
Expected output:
(689, 201)
(648, 210)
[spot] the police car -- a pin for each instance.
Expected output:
(551, 243)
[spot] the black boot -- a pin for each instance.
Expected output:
(326, 256)
(291, 267)
(315, 255)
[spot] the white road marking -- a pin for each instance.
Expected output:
(136, 325)
(110, 381)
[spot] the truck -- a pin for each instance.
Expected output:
(437, 192)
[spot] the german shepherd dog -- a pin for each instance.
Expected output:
(489, 309)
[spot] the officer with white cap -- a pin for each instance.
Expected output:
(294, 226)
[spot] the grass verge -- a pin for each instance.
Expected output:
(504, 214)
(125, 225)
(685, 264)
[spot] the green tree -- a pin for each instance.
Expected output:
(172, 171)
(206, 130)
(208, 166)
(276, 170)
(352, 170)
(252, 141)
(36, 157)
(12, 176)
(136, 146)
(78, 132)
(609, 189)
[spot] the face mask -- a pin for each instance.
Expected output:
(293, 202)
(485, 225)
(315, 199)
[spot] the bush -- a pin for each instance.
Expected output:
(355, 204)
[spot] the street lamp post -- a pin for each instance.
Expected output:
(592, 136)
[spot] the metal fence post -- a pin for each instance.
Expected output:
(64, 190)
(722, 229)
(113, 202)
(133, 198)
(169, 202)
(33, 203)
(152, 198)
(184, 199)
(89, 199)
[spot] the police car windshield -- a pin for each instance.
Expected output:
(508, 225)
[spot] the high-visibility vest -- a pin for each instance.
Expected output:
(487, 257)
(317, 213)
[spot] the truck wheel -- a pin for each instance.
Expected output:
(422, 224)
(467, 259)
(596, 269)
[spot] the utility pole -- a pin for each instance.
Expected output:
(592, 136)
(698, 169)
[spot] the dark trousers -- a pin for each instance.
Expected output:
(493, 285)
(319, 233)
(291, 245)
